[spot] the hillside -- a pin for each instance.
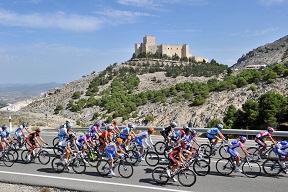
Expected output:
(268, 54)
(78, 108)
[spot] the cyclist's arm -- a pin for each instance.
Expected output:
(76, 147)
(195, 141)
(23, 133)
(27, 130)
(42, 140)
(221, 136)
(86, 142)
(245, 151)
(273, 141)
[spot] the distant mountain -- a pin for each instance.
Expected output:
(268, 54)
(11, 93)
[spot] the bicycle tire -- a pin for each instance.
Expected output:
(223, 152)
(206, 150)
(254, 152)
(8, 159)
(272, 154)
(125, 169)
(160, 147)
(103, 167)
(15, 154)
(92, 158)
(159, 175)
(44, 157)
(55, 141)
(24, 156)
(187, 175)
(251, 169)
(78, 166)
(201, 167)
(132, 157)
(58, 151)
(271, 167)
(224, 166)
(57, 165)
(152, 158)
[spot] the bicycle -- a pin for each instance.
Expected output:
(272, 167)
(200, 166)
(93, 155)
(250, 168)
(207, 149)
(7, 158)
(42, 155)
(184, 174)
(75, 161)
(151, 157)
(162, 146)
(255, 152)
(125, 169)
(19, 145)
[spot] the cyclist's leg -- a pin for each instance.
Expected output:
(235, 155)
(262, 144)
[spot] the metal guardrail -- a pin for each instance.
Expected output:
(203, 130)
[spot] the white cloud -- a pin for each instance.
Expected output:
(249, 33)
(271, 2)
(159, 3)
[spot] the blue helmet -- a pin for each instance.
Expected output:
(4, 126)
(97, 123)
(220, 126)
(242, 138)
(24, 123)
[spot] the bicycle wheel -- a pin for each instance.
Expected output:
(186, 177)
(57, 150)
(8, 159)
(125, 169)
(224, 166)
(160, 147)
(152, 158)
(57, 165)
(254, 152)
(201, 167)
(132, 157)
(44, 157)
(223, 152)
(103, 167)
(24, 156)
(159, 175)
(92, 158)
(55, 141)
(251, 169)
(271, 167)
(206, 150)
(272, 154)
(78, 166)
(14, 152)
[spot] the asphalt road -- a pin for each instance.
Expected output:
(43, 175)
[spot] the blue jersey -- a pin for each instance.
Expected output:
(282, 145)
(19, 128)
(235, 144)
(82, 138)
(124, 132)
(142, 135)
(213, 131)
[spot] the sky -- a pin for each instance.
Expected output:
(60, 41)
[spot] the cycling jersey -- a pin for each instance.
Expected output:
(18, 130)
(143, 135)
(212, 132)
(81, 139)
(62, 130)
(280, 148)
(263, 135)
(178, 134)
(124, 132)
(92, 130)
(232, 146)
(167, 130)
(30, 139)
(172, 155)
(110, 150)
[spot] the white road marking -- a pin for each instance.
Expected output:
(92, 181)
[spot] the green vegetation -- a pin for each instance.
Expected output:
(119, 100)
(58, 109)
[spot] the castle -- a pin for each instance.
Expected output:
(149, 46)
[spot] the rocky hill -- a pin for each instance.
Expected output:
(271, 53)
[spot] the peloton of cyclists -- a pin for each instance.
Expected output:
(260, 139)
(213, 135)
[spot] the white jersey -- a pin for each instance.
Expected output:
(19, 128)
(62, 131)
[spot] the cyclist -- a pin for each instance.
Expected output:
(213, 135)
(19, 132)
(144, 135)
(69, 142)
(280, 150)
(231, 150)
(111, 151)
(260, 139)
(127, 133)
(3, 135)
(82, 141)
(168, 131)
(33, 142)
(105, 138)
(190, 138)
(179, 134)
(115, 126)
(174, 155)
(64, 130)
(95, 130)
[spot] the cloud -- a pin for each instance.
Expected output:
(249, 33)
(159, 3)
(271, 2)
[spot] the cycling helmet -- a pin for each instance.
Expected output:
(270, 129)
(37, 130)
(71, 135)
(130, 125)
(8, 132)
(115, 121)
(151, 129)
(119, 140)
(185, 127)
(24, 123)
(187, 130)
(4, 126)
(97, 123)
(68, 125)
(193, 132)
(242, 138)
(110, 128)
(173, 124)
(219, 126)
